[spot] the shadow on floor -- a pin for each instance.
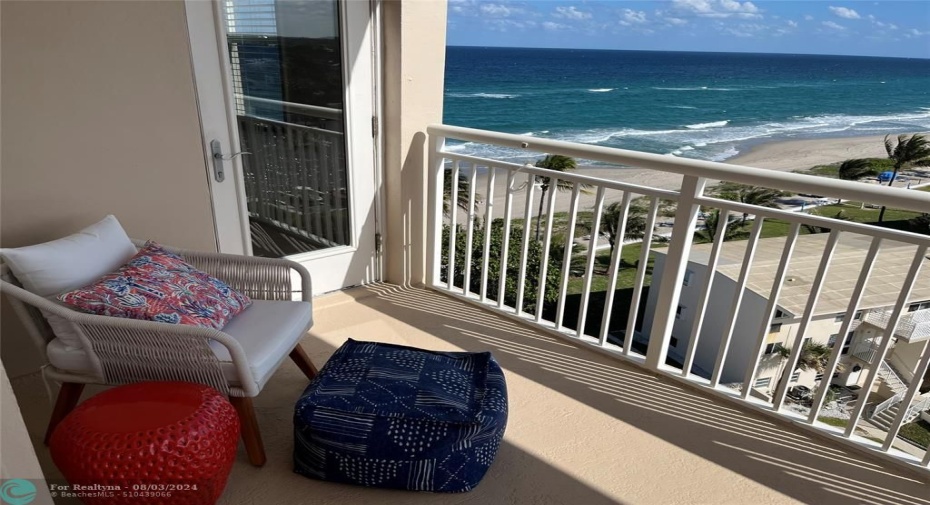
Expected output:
(516, 477)
(804, 467)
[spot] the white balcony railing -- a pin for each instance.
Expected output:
(913, 326)
(295, 171)
(490, 256)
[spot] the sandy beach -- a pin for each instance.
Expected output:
(787, 155)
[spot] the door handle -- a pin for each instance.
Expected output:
(219, 172)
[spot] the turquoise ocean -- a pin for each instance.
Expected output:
(709, 106)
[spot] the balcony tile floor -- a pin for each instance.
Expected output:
(584, 428)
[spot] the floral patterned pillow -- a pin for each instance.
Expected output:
(158, 285)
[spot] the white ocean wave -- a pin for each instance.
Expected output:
(725, 155)
(601, 90)
(680, 107)
(719, 140)
(714, 124)
(481, 95)
(456, 148)
(698, 88)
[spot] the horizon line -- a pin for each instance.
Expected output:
(687, 51)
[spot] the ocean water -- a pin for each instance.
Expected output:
(698, 105)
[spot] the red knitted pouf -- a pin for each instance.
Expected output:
(149, 443)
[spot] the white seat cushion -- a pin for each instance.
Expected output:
(267, 332)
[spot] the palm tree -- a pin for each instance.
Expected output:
(464, 187)
(813, 356)
(709, 233)
(750, 195)
(855, 169)
(635, 222)
(908, 151)
(557, 163)
(812, 229)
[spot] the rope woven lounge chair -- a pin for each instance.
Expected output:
(238, 361)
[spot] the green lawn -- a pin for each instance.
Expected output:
(831, 170)
(854, 212)
(917, 432)
(925, 188)
(833, 421)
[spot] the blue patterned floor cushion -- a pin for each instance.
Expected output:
(391, 416)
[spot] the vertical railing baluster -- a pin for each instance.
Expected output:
(326, 169)
(342, 193)
(260, 169)
(524, 249)
(547, 243)
(314, 174)
(567, 256)
(770, 308)
(589, 266)
(305, 184)
(488, 219)
(737, 301)
(899, 306)
(723, 218)
(640, 276)
(816, 288)
(836, 353)
(505, 243)
(291, 178)
(280, 175)
(614, 268)
(676, 264)
(434, 195)
(339, 194)
(453, 215)
(470, 232)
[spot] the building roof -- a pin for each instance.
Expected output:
(882, 288)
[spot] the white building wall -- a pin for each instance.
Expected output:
(745, 332)
(905, 356)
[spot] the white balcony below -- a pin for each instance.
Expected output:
(913, 326)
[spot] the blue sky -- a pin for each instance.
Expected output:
(869, 28)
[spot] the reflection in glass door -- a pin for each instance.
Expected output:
(287, 77)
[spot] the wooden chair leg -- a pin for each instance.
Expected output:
(299, 356)
(248, 424)
(68, 397)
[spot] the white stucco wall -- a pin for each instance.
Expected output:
(99, 117)
(413, 65)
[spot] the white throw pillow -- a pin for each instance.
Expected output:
(69, 263)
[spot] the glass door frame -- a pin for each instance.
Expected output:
(332, 268)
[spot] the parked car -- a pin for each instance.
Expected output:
(799, 393)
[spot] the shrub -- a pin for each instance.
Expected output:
(515, 247)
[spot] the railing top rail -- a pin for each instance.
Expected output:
(917, 201)
(565, 176)
(314, 129)
(314, 110)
